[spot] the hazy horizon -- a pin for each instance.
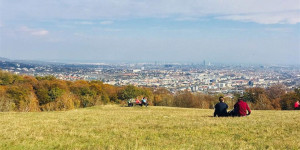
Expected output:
(247, 32)
(112, 62)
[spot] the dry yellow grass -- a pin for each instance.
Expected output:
(115, 127)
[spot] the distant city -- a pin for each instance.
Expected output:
(205, 77)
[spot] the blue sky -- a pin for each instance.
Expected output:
(223, 31)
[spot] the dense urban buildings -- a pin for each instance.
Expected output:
(205, 77)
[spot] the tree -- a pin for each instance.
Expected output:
(6, 104)
(275, 91)
(112, 92)
(258, 97)
(297, 91)
(252, 94)
(30, 104)
(54, 93)
(129, 92)
(43, 96)
(162, 97)
(49, 78)
(262, 103)
(286, 101)
(6, 78)
(23, 97)
(184, 99)
(67, 101)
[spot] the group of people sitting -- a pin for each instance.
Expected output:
(137, 102)
(241, 108)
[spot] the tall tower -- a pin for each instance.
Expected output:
(204, 63)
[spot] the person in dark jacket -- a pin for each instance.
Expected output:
(241, 108)
(221, 108)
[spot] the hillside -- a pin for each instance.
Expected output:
(115, 127)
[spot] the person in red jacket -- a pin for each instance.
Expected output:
(296, 106)
(138, 102)
(241, 108)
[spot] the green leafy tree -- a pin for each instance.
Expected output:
(43, 96)
(129, 92)
(54, 93)
(50, 78)
(6, 78)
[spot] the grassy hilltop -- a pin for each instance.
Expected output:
(115, 127)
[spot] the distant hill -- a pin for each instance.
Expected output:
(31, 62)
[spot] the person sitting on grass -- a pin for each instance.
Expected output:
(296, 105)
(130, 102)
(137, 102)
(144, 101)
(221, 108)
(241, 108)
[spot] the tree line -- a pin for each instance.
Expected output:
(27, 93)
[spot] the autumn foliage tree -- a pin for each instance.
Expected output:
(190, 100)
(28, 93)
(274, 93)
(258, 98)
(162, 97)
(287, 100)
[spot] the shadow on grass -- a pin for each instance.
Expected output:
(208, 116)
(134, 106)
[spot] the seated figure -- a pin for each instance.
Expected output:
(221, 108)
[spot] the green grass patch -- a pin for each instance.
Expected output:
(115, 127)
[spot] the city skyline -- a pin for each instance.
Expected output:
(204, 78)
(251, 32)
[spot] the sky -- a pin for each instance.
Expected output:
(217, 31)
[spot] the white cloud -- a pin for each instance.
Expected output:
(40, 32)
(267, 18)
(279, 11)
(35, 32)
(106, 22)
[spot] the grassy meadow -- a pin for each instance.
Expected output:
(115, 127)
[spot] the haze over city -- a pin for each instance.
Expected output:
(234, 31)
